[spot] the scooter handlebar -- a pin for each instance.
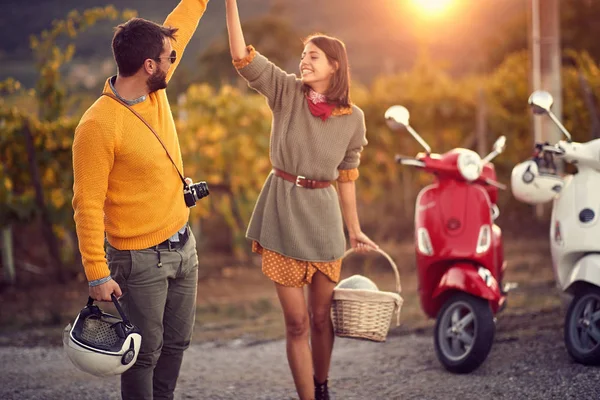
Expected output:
(545, 147)
(497, 184)
(405, 160)
(399, 157)
(413, 162)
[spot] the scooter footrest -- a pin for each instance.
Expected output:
(508, 286)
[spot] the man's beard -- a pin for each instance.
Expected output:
(157, 81)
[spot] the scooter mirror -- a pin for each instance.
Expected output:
(500, 144)
(540, 101)
(498, 148)
(397, 117)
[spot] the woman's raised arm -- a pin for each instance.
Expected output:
(237, 44)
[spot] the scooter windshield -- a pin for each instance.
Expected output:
(545, 163)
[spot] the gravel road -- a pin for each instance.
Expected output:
(525, 363)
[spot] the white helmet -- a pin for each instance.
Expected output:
(357, 282)
(533, 182)
(102, 344)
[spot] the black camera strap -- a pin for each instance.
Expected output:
(112, 96)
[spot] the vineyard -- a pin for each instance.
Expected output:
(224, 136)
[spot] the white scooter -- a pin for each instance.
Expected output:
(574, 228)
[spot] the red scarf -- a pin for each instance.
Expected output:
(318, 105)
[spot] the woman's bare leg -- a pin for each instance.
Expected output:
(297, 324)
(321, 327)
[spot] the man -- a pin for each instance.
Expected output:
(127, 186)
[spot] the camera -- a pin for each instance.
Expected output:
(195, 192)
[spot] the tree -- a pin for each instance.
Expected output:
(225, 141)
(35, 147)
(578, 25)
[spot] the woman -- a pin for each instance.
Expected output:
(317, 136)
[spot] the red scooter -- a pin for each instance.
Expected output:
(459, 250)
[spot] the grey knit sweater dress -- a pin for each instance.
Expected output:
(297, 222)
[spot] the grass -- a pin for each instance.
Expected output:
(240, 303)
(258, 319)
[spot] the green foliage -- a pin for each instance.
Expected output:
(52, 141)
(224, 138)
(579, 31)
(577, 116)
(507, 91)
(50, 56)
(47, 122)
(442, 111)
(579, 26)
(224, 132)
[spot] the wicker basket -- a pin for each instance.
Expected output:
(366, 314)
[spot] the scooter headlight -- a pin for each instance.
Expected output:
(469, 164)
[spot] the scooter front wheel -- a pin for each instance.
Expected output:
(582, 326)
(464, 333)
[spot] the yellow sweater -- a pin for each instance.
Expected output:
(124, 183)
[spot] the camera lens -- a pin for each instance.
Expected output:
(200, 190)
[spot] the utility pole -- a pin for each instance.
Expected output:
(481, 124)
(8, 261)
(551, 61)
(545, 67)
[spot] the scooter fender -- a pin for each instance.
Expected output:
(587, 270)
(475, 280)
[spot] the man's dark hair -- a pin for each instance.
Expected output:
(137, 40)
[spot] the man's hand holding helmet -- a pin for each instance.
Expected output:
(103, 291)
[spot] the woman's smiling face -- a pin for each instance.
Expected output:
(315, 69)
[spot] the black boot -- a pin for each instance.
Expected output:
(321, 392)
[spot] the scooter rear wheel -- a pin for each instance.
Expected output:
(582, 326)
(464, 333)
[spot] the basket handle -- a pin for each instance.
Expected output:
(392, 263)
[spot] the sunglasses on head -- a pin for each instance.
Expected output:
(172, 57)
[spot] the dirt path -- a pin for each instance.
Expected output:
(233, 357)
(522, 365)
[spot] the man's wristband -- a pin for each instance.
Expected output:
(100, 281)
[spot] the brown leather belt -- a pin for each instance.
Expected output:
(300, 180)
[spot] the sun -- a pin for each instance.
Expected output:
(433, 7)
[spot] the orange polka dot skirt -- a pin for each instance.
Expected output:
(291, 272)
